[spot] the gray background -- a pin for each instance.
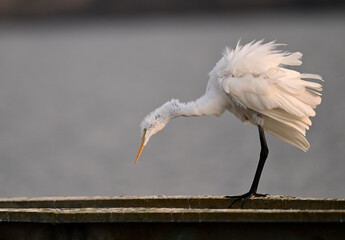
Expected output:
(73, 93)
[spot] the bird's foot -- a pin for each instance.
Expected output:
(244, 196)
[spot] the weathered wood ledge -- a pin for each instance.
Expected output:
(171, 217)
(170, 209)
(210, 202)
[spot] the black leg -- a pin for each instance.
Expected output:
(263, 157)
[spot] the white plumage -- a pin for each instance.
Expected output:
(253, 83)
(255, 78)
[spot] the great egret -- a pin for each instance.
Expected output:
(251, 81)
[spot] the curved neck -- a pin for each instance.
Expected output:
(205, 105)
(160, 117)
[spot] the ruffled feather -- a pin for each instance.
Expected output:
(256, 78)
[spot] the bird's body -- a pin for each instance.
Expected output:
(253, 83)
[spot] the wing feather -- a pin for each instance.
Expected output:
(255, 77)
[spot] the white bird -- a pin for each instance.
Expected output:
(253, 83)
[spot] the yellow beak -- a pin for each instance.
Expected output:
(142, 145)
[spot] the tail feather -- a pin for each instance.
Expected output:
(301, 124)
(286, 133)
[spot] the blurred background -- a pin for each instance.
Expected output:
(78, 76)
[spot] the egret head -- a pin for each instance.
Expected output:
(153, 123)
